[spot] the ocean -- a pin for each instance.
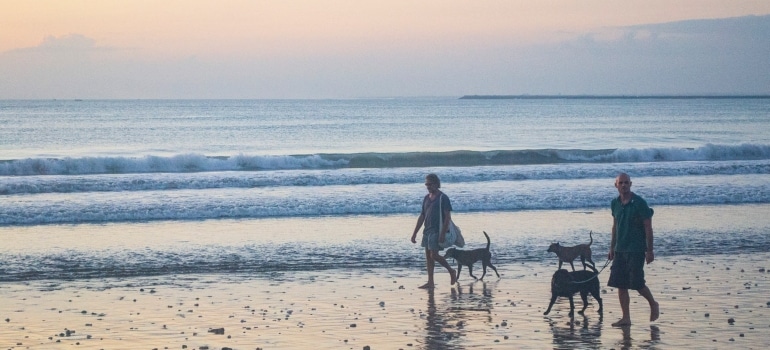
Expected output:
(125, 188)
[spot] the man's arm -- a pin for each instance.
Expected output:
(611, 254)
(649, 255)
(420, 221)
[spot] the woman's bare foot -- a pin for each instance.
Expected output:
(654, 311)
(622, 323)
(426, 286)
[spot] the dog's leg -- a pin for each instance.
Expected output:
(592, 265)
(584, 296)
(571, 264)
(553, 300)
(459, 268)
(470, 272)
(560, 262)
(489, 263)
(597, 295)
(571, 307)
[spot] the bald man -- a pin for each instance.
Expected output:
(630, 248)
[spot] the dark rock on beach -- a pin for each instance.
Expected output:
(217, 330)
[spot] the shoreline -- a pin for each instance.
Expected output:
(706, 302)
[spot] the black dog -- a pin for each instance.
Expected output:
(469, 257)
(565, 284)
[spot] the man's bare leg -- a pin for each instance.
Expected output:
(654, 306)
(625, 300)
(445, 264)
(430, 265)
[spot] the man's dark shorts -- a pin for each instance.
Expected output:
(627, 271)
(430, 241)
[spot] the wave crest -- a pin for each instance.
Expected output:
(708, 152)
(185, 163)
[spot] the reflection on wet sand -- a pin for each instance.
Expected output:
(465, 299)
(445, 329)
(654, 339)
(628, 341)
(584, 334)
(438, 334)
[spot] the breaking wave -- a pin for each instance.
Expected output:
(187, 163)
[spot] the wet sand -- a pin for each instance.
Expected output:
(706, 302)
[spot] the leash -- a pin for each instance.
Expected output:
(597, 273)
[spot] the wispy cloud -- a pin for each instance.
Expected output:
(709, 56)
(66, 43)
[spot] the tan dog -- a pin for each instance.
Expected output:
(569, 254)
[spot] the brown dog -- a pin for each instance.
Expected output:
(569, 254)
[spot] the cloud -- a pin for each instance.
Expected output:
(68, 42)
(65, 43)
(69, 66)
(738, 31)
(710, 56)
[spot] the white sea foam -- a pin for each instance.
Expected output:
(309, 201)
(670, 154)
(154, 164)
(330, 177)
(185, 163)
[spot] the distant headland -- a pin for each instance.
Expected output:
(514, 97)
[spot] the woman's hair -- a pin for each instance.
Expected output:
(433, 178)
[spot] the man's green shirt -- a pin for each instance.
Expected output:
(629, 224)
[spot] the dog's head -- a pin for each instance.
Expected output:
(554, 247)
(450, 253)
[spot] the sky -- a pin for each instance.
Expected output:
(287, 49)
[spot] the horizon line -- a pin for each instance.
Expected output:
(463, 97)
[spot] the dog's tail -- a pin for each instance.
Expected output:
(488, 242)
(590, 236)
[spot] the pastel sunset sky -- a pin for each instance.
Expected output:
(375, 48)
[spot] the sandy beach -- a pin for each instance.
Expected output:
(707, 302)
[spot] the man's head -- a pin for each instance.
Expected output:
(432, 183)
(623, 183)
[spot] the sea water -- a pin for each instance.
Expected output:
(153, 187)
